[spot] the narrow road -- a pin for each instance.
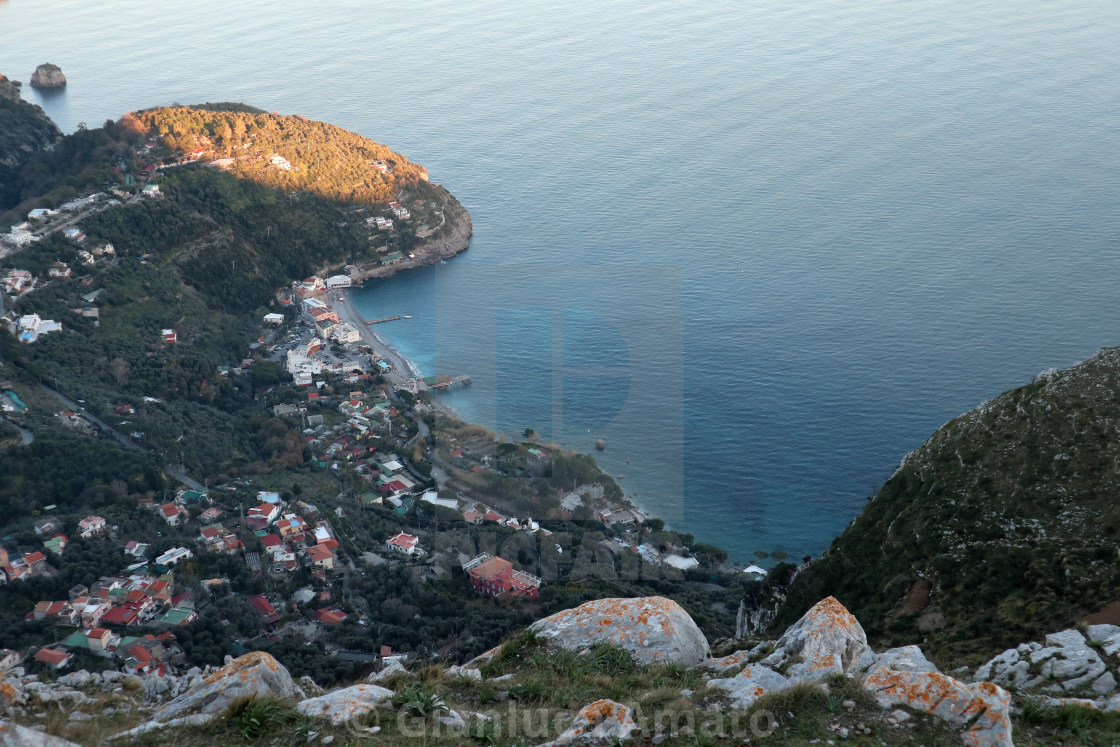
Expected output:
(26, 436)
(122, 439)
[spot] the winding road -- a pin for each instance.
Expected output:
(122, 439)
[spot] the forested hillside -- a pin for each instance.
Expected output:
(317, 157)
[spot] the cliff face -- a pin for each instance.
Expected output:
(24, 129)
(452, 238)
(1002, 526)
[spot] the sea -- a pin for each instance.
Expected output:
(761, 249)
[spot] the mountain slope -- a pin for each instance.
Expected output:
(1002, 525)
(26, 129)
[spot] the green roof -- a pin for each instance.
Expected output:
(77, 639)
(176, 616)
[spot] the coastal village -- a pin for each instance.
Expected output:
(364, 418)
(385, 487)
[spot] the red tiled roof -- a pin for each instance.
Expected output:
(51, 656)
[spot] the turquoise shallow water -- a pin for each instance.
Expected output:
(763, 249)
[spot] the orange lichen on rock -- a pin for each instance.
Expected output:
(652, 629)
(985, 707)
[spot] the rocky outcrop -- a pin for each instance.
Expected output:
(11, 694)
(601, 721)
(826, 640)
(48, 76)
(257, 674)
(14, 735)
(904, 677)
(345, 705)
(453, 238)
(653, 629)
(1065, 665)
(389, 670)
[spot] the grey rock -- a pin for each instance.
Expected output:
(14, 735)
(601, 721)
(79, 716)
(900, 716)
(390, 669)
(257, 673)
(346, 704)
(751, 684)
(198, 719)
(652, 629)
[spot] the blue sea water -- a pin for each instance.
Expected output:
(763, 249)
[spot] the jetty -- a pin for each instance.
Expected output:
(385, 319)
(444, 382)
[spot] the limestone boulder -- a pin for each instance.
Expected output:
(754, 681)
(390, 669)
(14, 735)
(826, 640)
(346, 704)
(652, 629)
(601, 721)
(982, 710)
(48, 76)
(1067, 664)
(256, 674)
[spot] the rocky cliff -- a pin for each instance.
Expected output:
(24, 128)
(612, 671)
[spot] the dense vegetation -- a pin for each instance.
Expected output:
(325, 160)
(1003, 526)
(26, 129)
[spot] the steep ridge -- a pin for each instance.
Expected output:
(1001, 527)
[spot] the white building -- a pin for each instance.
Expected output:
(174, 556)
(338, 281)
(345, 332)
(30, 327)
(273, 318)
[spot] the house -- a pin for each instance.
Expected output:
(36, 562)
(53, 658)
(30, 327)
(171, 514)
(8, 659)
(266, 511)
(210, 537)
(59, 271)
(496, 577)
(272, 544)
(151, 190)
(338, 281)
(136, 549)
(48, 526)
(74, 234)
(122, 616)
(210, 515)
(263, 606)
(405, 544)
(97, 639)
(169, 336)
(320, 557)
(173, 556)
(91, 526)
(330, 618)
(273, 318)
(680, 562)
(56, 544)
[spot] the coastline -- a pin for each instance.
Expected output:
(344, 306)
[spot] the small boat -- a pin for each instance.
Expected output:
(407, 316)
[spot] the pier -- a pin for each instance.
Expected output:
(443, 381)
(385, 319)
